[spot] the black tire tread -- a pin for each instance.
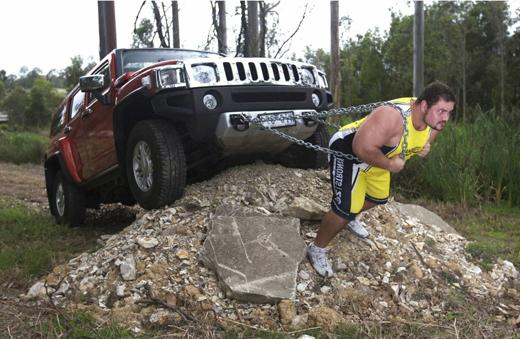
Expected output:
(166, 148)
(301, 157)
(75, 202)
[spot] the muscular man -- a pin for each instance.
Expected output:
(375, 142)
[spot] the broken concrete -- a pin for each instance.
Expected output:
(425, 216)
(255, 258)
(407, 270)
(305, 209)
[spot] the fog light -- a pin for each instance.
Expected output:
(210, 101)
(315, 99)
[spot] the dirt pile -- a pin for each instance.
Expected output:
(151, 274)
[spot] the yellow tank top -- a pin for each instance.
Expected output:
(416, 139)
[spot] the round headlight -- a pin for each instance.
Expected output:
(210, 101)
(205, 74)
(307, 76)
(315, 99)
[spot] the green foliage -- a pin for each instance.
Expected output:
(2, 90)
(16, 104)
(75, 70)
(31, 243)
(397, 53)
(466, 46)
(83, 325)
(496, 234)
(22, 147)
(31, 108)
(27, 79)
(362, 68)
(469, 163)
(143, 34)
(43, 100)
(484, 252)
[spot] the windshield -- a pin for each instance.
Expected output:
(134, 60)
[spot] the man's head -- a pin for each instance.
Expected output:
(435, 91)
(436, 103)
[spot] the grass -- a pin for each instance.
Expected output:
(22, 147)
(471, 163)
(81, 325)
(31, 244)
(495, 232)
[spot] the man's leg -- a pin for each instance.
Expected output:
(377, 192)
(330, 226)
(368, 205)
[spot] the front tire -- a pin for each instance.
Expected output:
(300, 157)
(68, 202)
(155, 164)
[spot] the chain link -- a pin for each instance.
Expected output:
(320, 118)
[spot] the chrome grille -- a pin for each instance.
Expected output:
(254, 71)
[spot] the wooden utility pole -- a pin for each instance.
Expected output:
(222, 27)
(107, 27)
(175, 25)
(418, 49)
(335, 74)
(252, 22)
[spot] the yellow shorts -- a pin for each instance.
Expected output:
(354, 182)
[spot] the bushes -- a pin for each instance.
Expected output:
(470, 163)
(22, 147)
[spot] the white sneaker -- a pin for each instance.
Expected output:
(355, 227)
(318, 258)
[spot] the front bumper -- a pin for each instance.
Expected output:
(236, 136)
(203, 124)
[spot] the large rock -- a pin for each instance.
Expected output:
(425, 216)
(255, 258)
(306, 209)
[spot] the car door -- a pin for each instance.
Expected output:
(97, 120)
(75, 133)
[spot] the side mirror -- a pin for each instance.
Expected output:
(94, 83)
(90, 83)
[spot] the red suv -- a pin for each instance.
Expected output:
(144, 121)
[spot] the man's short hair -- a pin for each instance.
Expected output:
(435, 91)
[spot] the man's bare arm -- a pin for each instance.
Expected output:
(384, 126)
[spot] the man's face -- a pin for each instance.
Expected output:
(437, 115)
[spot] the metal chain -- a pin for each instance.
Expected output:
(319, 116)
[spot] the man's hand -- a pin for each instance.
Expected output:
(425, 150)
(396, 164)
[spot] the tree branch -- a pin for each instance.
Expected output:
(137, 16)
(158, 23)
(295, 31)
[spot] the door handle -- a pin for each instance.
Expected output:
(86, 112)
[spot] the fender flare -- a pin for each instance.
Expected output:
(126, 114)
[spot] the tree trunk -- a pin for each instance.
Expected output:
(263, 29)
(464, 76)
(175, 25)
(501, 39)
(335, 74)
(418, 49)
(222, 27)
(252, 22)
(243, 45)
(158, 25)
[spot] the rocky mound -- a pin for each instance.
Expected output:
(152, 273)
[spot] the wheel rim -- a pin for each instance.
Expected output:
(143, 166)
(60, 200)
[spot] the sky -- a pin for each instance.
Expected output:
(47, 34)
